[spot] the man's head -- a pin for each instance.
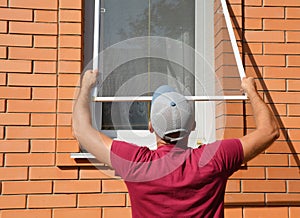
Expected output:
(172, 116)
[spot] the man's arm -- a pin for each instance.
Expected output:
(93, 141)
(266, 131)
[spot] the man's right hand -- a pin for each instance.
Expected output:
(249, 85)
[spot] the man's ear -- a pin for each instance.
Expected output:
(150, 127)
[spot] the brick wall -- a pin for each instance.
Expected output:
(40, 65)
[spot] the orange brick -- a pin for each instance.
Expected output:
(3, 3)
(68, 54)
(281, 3)
(233, 212)
(294, 158)
(272, 84)
(230, 133)
(3, 26)
(34, 159)
(13, 173)
(250, 173)
(34, 4)
(281, 72)
(77, 186)
(15, 40)
(285, 97)
(253, 2)
(293, 110)
(32, 80)
(9, 202)
(70, 28)
(234, 121)
(266, 60)
(264, 12)
(292, 13)
(283, 147)
(114, 186)
(1, 159)
(294, 212)
(41, 173)
(68, 79)
(77, 212)
(3, 52)
(70, 15)
(69, 67)
(67, 146)
(277, 24)
(31, 106)
(252, 23)
(43, 119)
(64, 119)
(65, 106)
(15, 14)
(290, 122)
(42, 146)
(233, 186)
(117, 212)
(44, 93)
(14, 93)
(87, 200)
(275, 212)
(45, 41)
(263, 186)
(14, 119)
(70, 41)
(283, 173)
(15, 66)
(64, 159)
(293, 60)
(33, 28)
(26, 213)
(2, 105)
(27, 187)
(44, 67)
(292, 36)
(64, 132)
(294, 134)
(293, 186)
(273, 48)
(244, 198)
(67, 93)
(30, 132)
(254, 48)
(3, 79)
(8, 146)
(45, 16)
(32, 53)
(1, 132)
(264, 36)
(66, 4)
(283, 199)
(51, 201)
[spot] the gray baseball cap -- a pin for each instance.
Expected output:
(171, 113)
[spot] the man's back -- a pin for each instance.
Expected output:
(177, 182)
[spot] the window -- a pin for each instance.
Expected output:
(143, 44)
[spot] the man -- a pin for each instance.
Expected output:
(174, 180)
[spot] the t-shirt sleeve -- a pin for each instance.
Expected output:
(124, 155)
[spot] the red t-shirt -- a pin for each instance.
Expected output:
(177, 182)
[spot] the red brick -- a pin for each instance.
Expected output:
(42, 146)
(1, 159)
(293, 186)
(277, 24)
(283, 147)
(34, 4)
(70, 15)
(70, 41)
(66, 4)
(77, 212)
(283, 173)
(32, 53)
(64, 132)
(31, 106)
(34, 159)
(117, 212)
(293, 109)
(284, 3)
(233, 186)
(51, 201)
(294, 134)
(3, 52)
(68, 54)
(269, 160)
(3, 79)
(14, 93)
(44, 93)
(70, 28)
(13, 201)
(67, 93)
(27, 187)
(263, 186)
(45, 16)
(292, 36)
(285, 97)
(44, 67)
(15, 14)
(250, 173)
(13, 173)
(45, 41)
(266, 60)
(294, 212)
(68, 80)
(2, 105)
(1, 132)
(293, 13)
(274, 212)
(14, 119)
(274, 48)
(67, 146)
(290, 122)
(32, 80)
(43, 119)
(281, 72)
(252, 23)
(74, 186)
(105, 200)
(30, 132)
(65, 106)
(272, 84)
(15, 66)
(15, 40)
(293, 60)
(233, 212)
(35, 213)
(33, 28)
(3, 3)
(114, 186)
(42, 173)
(64, 119)
(69, 67)
(283, 199)
(244, 198)
(3, 26)
(294, 158)
(264, 12)
(253, 2)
